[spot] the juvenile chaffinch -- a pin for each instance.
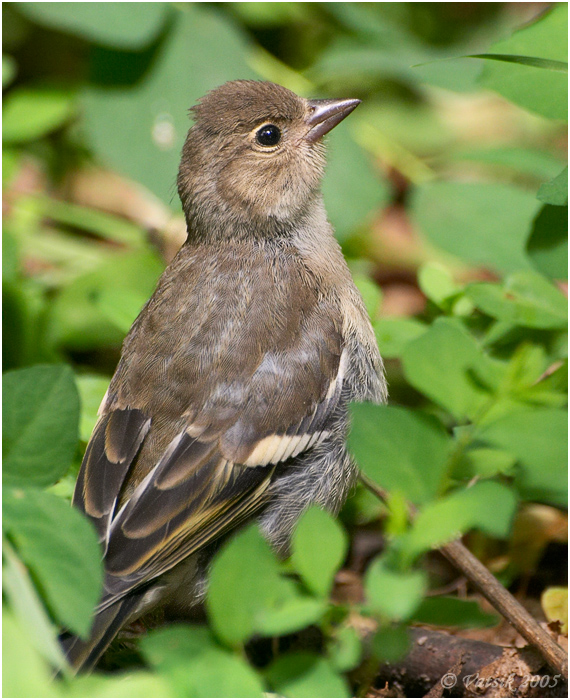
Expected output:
(230, 399)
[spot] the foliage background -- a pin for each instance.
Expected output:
(448, 192)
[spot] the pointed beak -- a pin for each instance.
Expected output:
(326, 114)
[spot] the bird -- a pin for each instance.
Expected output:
(230, 400)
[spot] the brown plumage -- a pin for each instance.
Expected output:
(230, 399)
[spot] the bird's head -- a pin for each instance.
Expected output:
(255, 153)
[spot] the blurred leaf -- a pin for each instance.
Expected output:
(547, 245)
(352, 189)
(390, 644)
(293, 615)
(541, 164)
(153, 113)
(393, 594)
(400, 449)
(453, 612)
(139, 684)
(244, 583)
(554, 601)
(441, 364)
(544, 63)
(30, 113)
(125, 25)
(305, 675)
(371, 293)
(538, 438)
(485, 462)
(9, 69)
(542, 91)
(346, 649)
(436, 283)
(67, 568)
(393, 334)
(121, 307)
(92, 389)
(195, 666)
(556, 191)
(525, 299)
(319, 547)
(11, 159)
(25, 673)
(486, 506)
(483, 224)
(40, 424)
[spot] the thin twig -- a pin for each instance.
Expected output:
(495, 593)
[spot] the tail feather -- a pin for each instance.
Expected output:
(83, 655)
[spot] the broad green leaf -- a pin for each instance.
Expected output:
(92, 389)
(40, 424)
(25, 673)
(390, 644)
(30, 113)
(294, 614)
(306, 675)
(542, 91)
(138, 684)
(124, 25)
(60, 546)
(391, 593)
(485, 462)
(346, 649)
(244, 582)
(393, 334)
(400, 449)
(556, 191)
(444, 611)
(152, 113)
(436, 283)
(538, 438)
(442, 363)
(319, 547)
(547, 246)
(352, 189)
(525, 299)
(540, 164)
(487, 506)
(481, 223)
(194, 665)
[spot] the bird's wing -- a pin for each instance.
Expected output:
(217, 466)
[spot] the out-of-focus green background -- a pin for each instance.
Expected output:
(447, 189)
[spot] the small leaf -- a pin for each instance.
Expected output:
(453, 612)
(319, 547)
(40, 424)
(554, 601)
(547, 244)
(400, 449)
(294, 614)
(346, 649)
(29, 114)
(556, 191)
(92, 389)
(393, 594)
(437, 283)
(371, 294)
(305, 675)
(393, 334)
(60, 546)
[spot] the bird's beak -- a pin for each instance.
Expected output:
(325, 115)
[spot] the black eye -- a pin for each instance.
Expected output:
(268, 135)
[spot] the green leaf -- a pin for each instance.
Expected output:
(92, 389)
(244, 583)
(538, 439)
(390, 644)
(547, 245)
(346, 649)
(294, 614)
(305, 675)
(442, 363)
(556, 191)
(371, 294)
(29, 114)
(125, 25)
(487, 506)
(352, 189)
(139, 684)
(40, 424)
(393, 334)
(542, 91)
(540, 164)
(485, 462)
(212, 51)
(481, 223)
(544, 63)
(453, 612)
(195, 666)
(525, 299)
(400, 449)
(319, 547)
(393, 594)
(9, 69)
(121, 307)
(436, 283)
(60, 546)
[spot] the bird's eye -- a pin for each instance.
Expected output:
(268, 135)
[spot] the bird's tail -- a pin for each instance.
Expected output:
(83, 655)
